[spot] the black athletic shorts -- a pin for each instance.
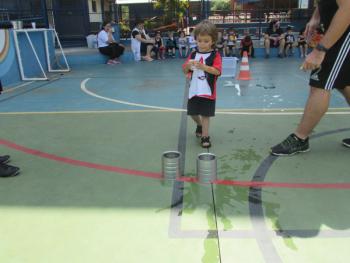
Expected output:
(201, 106)
(334, 72)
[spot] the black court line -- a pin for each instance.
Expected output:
(47, 82)
(177, 195)
(256, 209)
(216, 222)
(260, 232)
(178, 188)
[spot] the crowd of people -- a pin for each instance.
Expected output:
(284, 41)
(229, 43)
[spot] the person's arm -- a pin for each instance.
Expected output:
(339, 24)
(206, 68)
(188, 65)
(110, 37)
(215, 69)
(312, 25)
(139, 38)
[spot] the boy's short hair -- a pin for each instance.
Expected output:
(206, 28)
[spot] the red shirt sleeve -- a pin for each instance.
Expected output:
(218, 62)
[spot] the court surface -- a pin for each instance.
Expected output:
(89, 145)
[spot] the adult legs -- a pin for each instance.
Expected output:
(267, 44)
(316, 106)
(346, 93)
(282, 45)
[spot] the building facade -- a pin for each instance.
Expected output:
(75, 19)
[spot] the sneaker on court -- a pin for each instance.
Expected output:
(290, 146)
(8, 170)
(346, 142)
(4, 159)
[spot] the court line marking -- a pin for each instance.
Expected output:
(17, 87)
(79, 112)
(127, 171)
(332, 111)
(336, 110)
(267, 113)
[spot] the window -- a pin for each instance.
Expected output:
(93, 6)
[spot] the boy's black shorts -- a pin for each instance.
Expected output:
(201, 106)
(334, 72)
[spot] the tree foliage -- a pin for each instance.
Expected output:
(174, 10)
(219, 5)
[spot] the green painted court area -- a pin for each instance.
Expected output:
(89, 145)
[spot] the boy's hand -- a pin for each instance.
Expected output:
(199, 65)
(190, 64)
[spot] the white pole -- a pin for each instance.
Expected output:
(47, 51)
(19, 58)
(64, 57)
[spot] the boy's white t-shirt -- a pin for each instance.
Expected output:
(199, 84)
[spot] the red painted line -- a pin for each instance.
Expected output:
(121, 170)
(102, 167)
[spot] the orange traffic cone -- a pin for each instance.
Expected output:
(244, 72)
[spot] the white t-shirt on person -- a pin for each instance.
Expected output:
(102, 39)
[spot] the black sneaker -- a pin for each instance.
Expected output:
(280, 55)
(291, 146)
(267, 56)
(4, 159)
(346, 142)
(8, 170)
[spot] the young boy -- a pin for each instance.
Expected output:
(171, 45)
(203, 67)
(290, 39)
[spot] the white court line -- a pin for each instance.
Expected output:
(79, 112)
(17, 87)
(84, 89)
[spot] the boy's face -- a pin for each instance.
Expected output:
(204, 42)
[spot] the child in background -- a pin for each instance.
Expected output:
(220, 44)
(171, 45)
(159, 48)
(290, 39)
(192, 41)
(231, 44)
(302, 45)
(203, 67)
(183, 46)
(247, 45)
